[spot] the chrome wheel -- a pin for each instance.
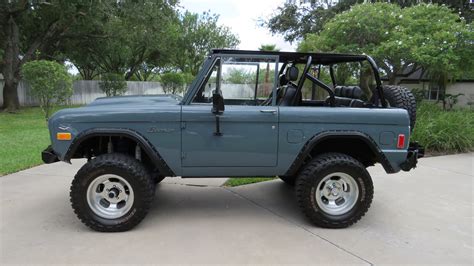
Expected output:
(337, 193)
(110, 196)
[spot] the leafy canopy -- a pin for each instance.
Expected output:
(431, 37)
(294, 22)
(198, 34)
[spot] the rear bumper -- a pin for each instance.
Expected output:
(48, 155)
(415, 151)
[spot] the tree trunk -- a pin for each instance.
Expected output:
(365, 76)
(11, 67)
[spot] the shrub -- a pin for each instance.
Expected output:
(419, 95)
(113, 84)
(172, 82)
(444, 131)
(49, 81)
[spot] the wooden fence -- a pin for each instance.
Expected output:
(85, 91)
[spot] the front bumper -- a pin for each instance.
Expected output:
(415, 151)
(48, 155)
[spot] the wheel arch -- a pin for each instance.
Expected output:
(89, 135)
(353, 143)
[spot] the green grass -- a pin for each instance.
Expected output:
(239, 181)
(444, 131)
(23, 136)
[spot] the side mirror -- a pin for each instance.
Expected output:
(217, 103)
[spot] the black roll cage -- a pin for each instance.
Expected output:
(330, 60)
(284, 58)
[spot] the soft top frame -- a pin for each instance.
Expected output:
(300, 58)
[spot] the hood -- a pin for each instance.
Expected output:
(122, 109)
(137, 100)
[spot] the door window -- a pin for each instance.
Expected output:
(242, 81)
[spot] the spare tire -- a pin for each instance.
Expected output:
(401, 97)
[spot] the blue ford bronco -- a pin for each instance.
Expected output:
(315, 120)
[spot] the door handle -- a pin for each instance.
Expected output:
(269, 111)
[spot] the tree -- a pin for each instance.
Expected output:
(113, 84)
(400, 40)
(49, 81)
(294, 22)
(268, 47)
(239, 76)
(366, 28)
(31, 29)
(443, 47)
(266, 85)
(172, 83)
(199, 34)
(134, 38)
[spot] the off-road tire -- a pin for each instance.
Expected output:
(401, 97)
(319, 167)
(289, 180)
(126, 167)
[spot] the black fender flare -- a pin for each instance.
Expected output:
(335, 134)
(147, 147)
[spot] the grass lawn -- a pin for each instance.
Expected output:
(234, 182)
(23, 136)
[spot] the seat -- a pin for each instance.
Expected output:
(353, 92)
(289, 94)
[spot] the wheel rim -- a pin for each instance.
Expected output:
(110, 196)
(337, 193)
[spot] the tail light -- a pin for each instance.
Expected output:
(401, 141)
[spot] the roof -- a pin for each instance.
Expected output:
(298, 57)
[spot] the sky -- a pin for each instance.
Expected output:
(241, 16)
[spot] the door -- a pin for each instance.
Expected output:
(249, 131)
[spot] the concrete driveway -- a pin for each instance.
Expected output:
(424, 216)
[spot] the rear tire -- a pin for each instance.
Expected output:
(401, 97)
(334, 190)
(112, 193)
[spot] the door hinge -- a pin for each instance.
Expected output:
(183, 155)
(183, 125)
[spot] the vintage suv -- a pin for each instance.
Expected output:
(247, 113)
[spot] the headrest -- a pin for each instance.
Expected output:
(292, 73)
(354, 92)
(283, 81)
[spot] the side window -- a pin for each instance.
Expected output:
(204, 95)
(242, 81)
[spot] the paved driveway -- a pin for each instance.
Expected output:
(424, 216)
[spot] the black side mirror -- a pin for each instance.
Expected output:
(217, 109)
(217, 103)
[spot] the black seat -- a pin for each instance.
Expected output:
(353, 92)
(289, 94)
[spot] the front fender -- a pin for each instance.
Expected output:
(147, 147)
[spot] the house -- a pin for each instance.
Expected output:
(420, 80)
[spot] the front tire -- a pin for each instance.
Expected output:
(334, 190)
(112, 193)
